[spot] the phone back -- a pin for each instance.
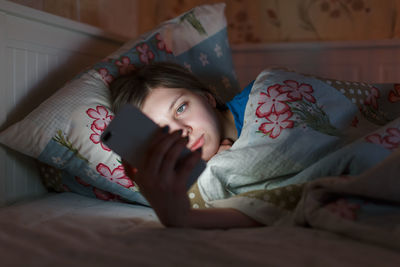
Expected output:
(129, 134)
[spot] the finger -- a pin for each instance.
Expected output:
(158, 135)
(186, 166)
(128, 168)
(223, 148)
(147, 160)
(130, 171)
(172, 157)
(227, 141)
(157, 152)
(150, 166)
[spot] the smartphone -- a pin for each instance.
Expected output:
(129, 134)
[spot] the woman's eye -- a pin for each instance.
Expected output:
(181, 109)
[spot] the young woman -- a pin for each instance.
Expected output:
(295, 130)
(190, 115)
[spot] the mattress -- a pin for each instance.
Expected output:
(72, 230)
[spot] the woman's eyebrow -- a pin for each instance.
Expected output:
(175, 100)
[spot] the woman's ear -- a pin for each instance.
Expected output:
(211, 99)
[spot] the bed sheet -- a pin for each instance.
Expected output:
(71, 230)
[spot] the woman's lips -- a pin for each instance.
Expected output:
(198, 143)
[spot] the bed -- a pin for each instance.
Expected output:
(40, 52)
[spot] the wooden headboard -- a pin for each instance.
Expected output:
(39, 52)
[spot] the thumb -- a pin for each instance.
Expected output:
(187, 165)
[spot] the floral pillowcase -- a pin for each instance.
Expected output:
(64, 131)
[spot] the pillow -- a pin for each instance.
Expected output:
(64, 131)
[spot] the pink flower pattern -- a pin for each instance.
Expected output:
(146, 55)
(344, 209)
(354, 122)
(372, 98)
(276, 123)
(393, 137)
(80, 181)
(394, 95)
(379, 140)
(105, 75)
(275, 106)
(297, 92)
(125, 65)
(95, 137)
(104, 195)
(100, 116)
(117, 175)
(66, 188)
(161, 44)
(272, 102)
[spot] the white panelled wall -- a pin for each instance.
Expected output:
(39, 53)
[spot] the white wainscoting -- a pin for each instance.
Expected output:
(39, 52)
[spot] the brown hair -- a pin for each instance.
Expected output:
(133, 88)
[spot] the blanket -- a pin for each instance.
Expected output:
(309, 150)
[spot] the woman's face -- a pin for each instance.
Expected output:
(193, 113)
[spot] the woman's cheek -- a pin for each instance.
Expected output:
(210, 150)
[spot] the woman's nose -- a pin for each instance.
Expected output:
(186, 130)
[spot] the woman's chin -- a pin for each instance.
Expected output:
(206, 155)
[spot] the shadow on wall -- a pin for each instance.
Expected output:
(49, 77)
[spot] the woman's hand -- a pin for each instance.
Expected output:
(162, 176)
(225, 144)
(162, 179)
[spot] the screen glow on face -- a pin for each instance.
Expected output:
(190, 112)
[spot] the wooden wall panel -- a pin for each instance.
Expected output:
(368, 61)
